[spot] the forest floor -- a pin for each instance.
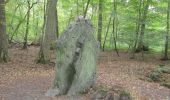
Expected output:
(23, 79)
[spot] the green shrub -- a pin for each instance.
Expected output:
(156, 73)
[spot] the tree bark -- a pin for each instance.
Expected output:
(108, 26)
(11, 29)
(85, 12)
(167, 33)
(27, 26)
(49, 36)
(21, 21)
(57, 25)
(138, 24)
(3, 35)
(100, 18)
(115, 26)
(142, 27)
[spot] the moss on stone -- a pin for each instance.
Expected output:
(76, 59)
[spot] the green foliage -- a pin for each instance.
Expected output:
(68, 10)
(155, 76)
(156, 73)
(125, 94)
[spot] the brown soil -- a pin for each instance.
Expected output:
(23, 79)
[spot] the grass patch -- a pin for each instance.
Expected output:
(159, 75)
(156, 73)
(124, 95)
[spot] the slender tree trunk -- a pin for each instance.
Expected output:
(100, 18)
(85, 12)
(138, 24)
(49, 35)
(41, 37)
(94, 10)
(37, 24)
(115, 25)
(44, 16)
(142, 27)
(12, 20)
(41, 58)
(57, 26)
(21, 21)
(167, 33)
(27, 26)
(107, 32)
(16, 29)
(3, 35)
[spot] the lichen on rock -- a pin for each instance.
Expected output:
(76, 59)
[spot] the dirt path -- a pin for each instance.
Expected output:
(23, 79)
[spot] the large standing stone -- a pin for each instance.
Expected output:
(76, 59)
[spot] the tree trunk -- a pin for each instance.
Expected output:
(167, 33)
(36, 20)
(49, 35)
(94, 9)
(142, 27)
(115, 26)
(57, 25)
(21, 21)
(11, 29)
(76, 60)
(85, 12)
(3, 35)
(100, 18)
(138, 24)
(107, 32)
(27, 27)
